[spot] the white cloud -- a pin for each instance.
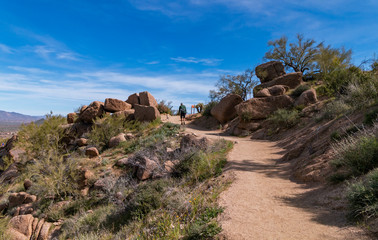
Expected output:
(67, 56)
(153, 62)
(203, 61)
(5, 48)
(29, 70)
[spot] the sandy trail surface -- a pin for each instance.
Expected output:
(264, 203)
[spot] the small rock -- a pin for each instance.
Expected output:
(71, 117)
(92, 152)
(82, 142)
(27, 184)
(115, 141)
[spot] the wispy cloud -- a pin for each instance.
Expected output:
(203, 61)
(29, 70)
(5, 48)
(153, 62)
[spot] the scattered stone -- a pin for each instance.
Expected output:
(9, 174)
(146, 168)
(269, 71)
(94, 110)
(27, 184)
(82, 142)
(92, 152)
(189, 141)
(133, 99)
(261, 108)
(147, 99)
(71, 117)
(306, 98)
(114, 105)
(115, 141)
(225, 111)
(146, 113)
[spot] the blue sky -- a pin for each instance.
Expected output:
(58, 55)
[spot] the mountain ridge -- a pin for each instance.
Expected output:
(14, 117)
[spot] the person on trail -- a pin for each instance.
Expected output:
(182, 111)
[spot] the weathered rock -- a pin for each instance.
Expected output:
(114, 105)
(92, 152)
(146, 168)
(82, 142)
(278, 90)
(270, 70)
(44, 233)
(261, 108)
(147, 99)
(94, 110)
(16, 154)
(129, 136)
(9, 174)
(306, 98)
(262, 93)
(71, 117)
(115, 141)
(127, 114)
(82, 109)
(189, 141)
(5, 151)
(169, 166)
(17, 199)
(21, 227)
(133, 99)
(84, 176)
(291, 80)
(146, 113)
(25, 209)
(74, 130)
(27, 184)
(225, 111)
(38, 228)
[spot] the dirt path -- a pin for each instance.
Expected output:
(263, 203)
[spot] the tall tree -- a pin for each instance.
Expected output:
(328, 59)
(241, 84)
(299, 56)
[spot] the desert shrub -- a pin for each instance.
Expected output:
(323, 90)
(3, 227)
(54, 176)
(363, 197)
(284, 118)
(334, 109)
(299, 90)
(336, 136)
(37, 140)
(207, 108)
(104, 129)
(362, 94)
(200, 165)
(357, 154)
(371, 117)
(165, 107)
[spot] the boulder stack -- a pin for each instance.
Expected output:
(269, 71)
(114, 105)
(225, 111)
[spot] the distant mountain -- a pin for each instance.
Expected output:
(12, 117)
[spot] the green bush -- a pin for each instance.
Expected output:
(299, 90)
(284, 118)
(371, 117)
(363, 197)
(38, 140)
(334, 109)
(357, 154)
(207, 108)
(165, 107)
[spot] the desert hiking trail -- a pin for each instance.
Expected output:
(264, 203)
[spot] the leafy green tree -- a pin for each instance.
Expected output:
(241, 84)
(299, 56)
(329, 59)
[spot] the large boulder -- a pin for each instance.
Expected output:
(269, 71)
(146, 113)
(17, 199)
(225, 111)
(133, 99)
(92, 152)
(147, 99)
(291, 80)
(71, 117)
(272, 91)
(21, 227)
(127, 114)
(306, 98)
(94, 110)
(115, 105)
(261, 108)
(115, 141)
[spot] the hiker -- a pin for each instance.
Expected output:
(182, 112)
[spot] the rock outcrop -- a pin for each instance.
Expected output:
(225, 111)
(26, 227)
(261, 108)
(291, 80)
(133, 99)
(127, 114)
(94, 110)
(114, 105)
(276, 90)
(71, 117)
(306, 98)
(270, 70)
(146, 113)
(147, 99)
